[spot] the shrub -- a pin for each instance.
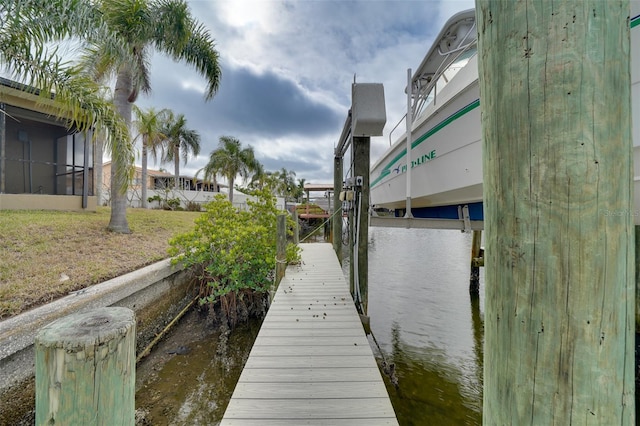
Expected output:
(172, 204)
(192, 206)
(233, 255)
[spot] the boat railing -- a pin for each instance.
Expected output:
(395, 127)
(426, 94)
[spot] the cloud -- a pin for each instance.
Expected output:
(287, 70)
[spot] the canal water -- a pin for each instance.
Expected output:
(423, 322)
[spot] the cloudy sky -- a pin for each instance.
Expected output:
(287, 70)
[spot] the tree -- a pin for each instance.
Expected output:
(286, 182)
(28, 29)
(179, 139)
(148, 124)
(230, 159)
(299, 191)
(260, 178)
(143, 25)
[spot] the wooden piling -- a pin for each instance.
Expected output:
(85, 369)
(474, 281)
(637, 263)
(296, 227)
(361, 148)
(559, 262)
(281, 247)
(336, 220)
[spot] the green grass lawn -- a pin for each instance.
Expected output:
(40, 249)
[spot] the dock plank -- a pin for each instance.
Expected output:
(311, 363)
(309, 390)
(325, 408)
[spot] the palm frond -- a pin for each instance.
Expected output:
(200, 52)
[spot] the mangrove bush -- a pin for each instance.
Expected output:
(233, 255)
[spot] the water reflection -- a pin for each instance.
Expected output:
(425, 322)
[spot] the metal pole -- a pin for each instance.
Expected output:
(409, 122)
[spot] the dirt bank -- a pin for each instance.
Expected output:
(194, 385)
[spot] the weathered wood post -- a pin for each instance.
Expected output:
(281, 247)
(476, 249)
(637, 247)
(368, 119)
(296, 227)
(361, 148)
(336, 221)
(559, 260)
(85, 369)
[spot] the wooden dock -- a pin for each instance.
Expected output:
(311, 363)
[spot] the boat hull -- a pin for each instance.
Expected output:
(447, 150)
(446, 154)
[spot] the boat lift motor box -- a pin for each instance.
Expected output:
(367, 109)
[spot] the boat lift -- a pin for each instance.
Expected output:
(367, 118)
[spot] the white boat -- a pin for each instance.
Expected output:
(446, 148)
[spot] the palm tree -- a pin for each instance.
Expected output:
(144, 25)
(286, 182)
(179, 139)
(28, 30)
(211, 173)
(230, 159)
(259, 178)
(148, 123)
(300, 189)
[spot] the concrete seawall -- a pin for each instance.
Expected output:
(156, 293)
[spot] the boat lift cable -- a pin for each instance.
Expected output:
(356, 280)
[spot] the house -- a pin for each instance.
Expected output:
(160, 183)
(43, 163)
(190, 190)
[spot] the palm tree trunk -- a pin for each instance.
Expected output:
(176, 165)
(144, 173)
(118, 222)
(231, 179)
(97, 165)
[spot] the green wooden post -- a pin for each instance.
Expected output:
(336, 221)
(559, 262)
(85, 369)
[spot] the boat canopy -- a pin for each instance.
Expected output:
(457, 37)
